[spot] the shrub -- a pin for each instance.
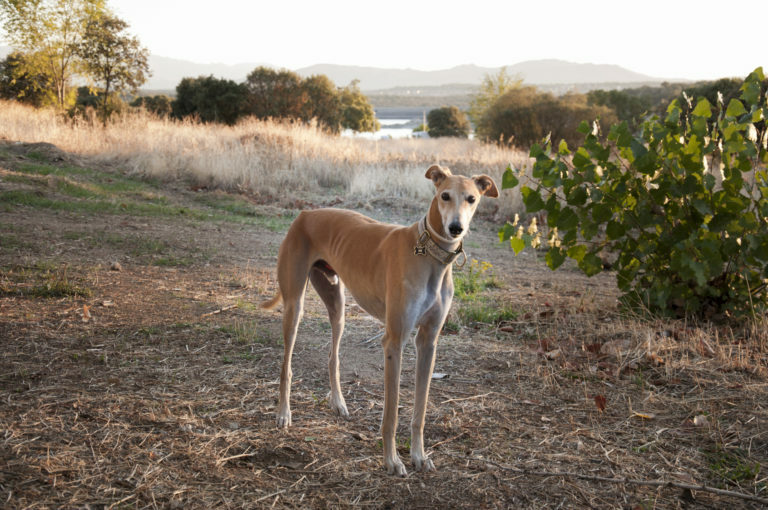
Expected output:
(19, 84)
(274, 94)
(448, 121)
(681, 208)
(210, 99)
(159, 104)
(523, 116)
(356, 111)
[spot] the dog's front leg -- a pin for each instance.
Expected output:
(393, 354)
(426, 345)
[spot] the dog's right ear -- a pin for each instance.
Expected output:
(437, 174)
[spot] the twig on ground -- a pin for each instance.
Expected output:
(223, 309)
(465, 398)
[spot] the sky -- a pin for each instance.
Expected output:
(690, 39)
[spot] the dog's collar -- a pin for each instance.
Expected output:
(426, 245)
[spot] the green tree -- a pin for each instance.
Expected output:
(357, 113)
(17, 83)
(210, 99)
(112, 58)
(493, 87)
(447, 121)
(90, 100)
(627, 107)
(321, 101)
(48, 32)
(158, 104)
(274, 94)
(523, 116)
(680, 209)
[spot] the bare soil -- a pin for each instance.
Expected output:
(146, 377)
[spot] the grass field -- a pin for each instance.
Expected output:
(136, 370)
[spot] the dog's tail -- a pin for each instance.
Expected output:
(272, 303)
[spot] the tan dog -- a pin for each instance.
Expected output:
(400, 275)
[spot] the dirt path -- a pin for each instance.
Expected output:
(136, 370)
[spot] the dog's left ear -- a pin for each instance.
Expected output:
(437, 174)
(486, 185)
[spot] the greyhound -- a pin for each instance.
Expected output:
(400, 275)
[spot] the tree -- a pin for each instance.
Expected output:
(321, 102)
(447, 121)
(159, 104)
(357, 112)
(629, 108)
(523, 116)
(48, 33)
(210, 99)
(89, 102)
(493, 87)
(112, 58)
(18, 84)
(274, 94)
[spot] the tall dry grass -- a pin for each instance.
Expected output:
(263, 157)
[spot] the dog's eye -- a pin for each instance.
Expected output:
(445, 196)
(471, 199)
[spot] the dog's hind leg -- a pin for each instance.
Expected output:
(331, 291)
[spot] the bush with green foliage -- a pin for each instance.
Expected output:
(18, 83)
(274, 94)
(629, 108)
(209, 99)
(681, 208)
(524, 115)
(159, 104)
(447, 121)
(357, 112)
(90, 101)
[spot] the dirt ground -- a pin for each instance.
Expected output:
(137, 370)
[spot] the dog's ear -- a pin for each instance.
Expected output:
(437, 174)
(486, 185)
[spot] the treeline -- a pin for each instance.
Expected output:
(60, 40)
(508, 113)
(268, 93)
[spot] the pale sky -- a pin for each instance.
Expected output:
(691, 39)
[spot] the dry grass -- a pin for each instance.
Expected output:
(262, 157)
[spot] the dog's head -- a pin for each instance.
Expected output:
(457, 197)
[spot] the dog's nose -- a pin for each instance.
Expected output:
(455, 229)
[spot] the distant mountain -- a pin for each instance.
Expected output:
(535, 72)
(168, 72)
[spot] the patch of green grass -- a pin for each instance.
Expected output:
(486, 312)
(732, 466)
(46, 283)
(148, 331)
(87, 191)
(247, 332)
(36, 156)
(228, 207)
(10, 242)
(473, 279)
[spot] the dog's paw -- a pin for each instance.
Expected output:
(284, 419)
(339, 407)
(423, 464)
(396, 467)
